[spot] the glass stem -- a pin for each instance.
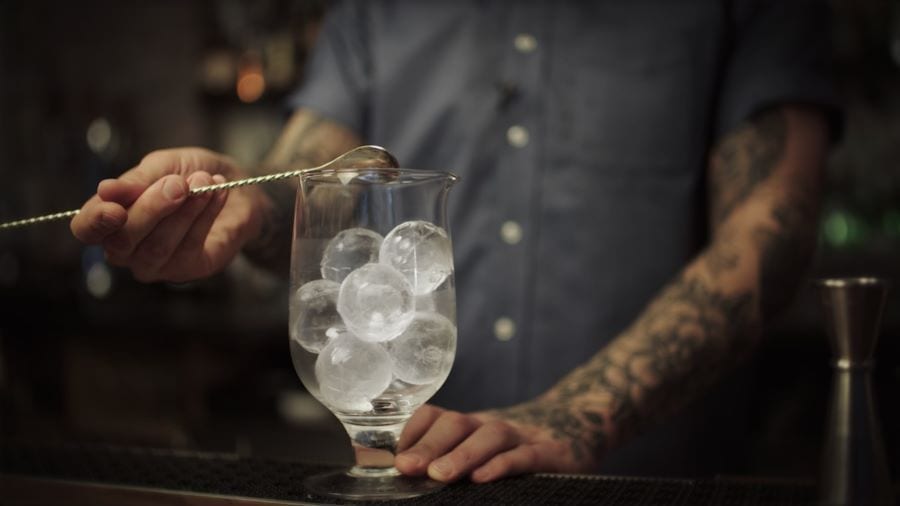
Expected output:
(374, 448)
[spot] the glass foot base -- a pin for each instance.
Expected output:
(370, 484)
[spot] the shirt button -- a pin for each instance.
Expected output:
(525, 42)
(517, 136)
(504, 329)
(511, 232)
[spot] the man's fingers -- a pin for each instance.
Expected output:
(524, 458)
(192, 257)
(450, 429)
(155, 250)
(196, 236)
(487, 441)
(97, 220)
(126, 189)
(416, 427)
(161, 199)
(122, 191)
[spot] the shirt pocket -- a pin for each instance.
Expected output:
(634, 101)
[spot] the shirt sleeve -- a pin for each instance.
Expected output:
(338, 75)
(780, 53)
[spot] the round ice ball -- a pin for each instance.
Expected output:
(421, 251)
(424, 352)
(352, 372)
(376, 302)
(348, 250)
(315, 307)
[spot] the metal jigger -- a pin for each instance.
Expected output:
(854, 467)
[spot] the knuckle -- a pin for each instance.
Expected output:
(429, 408)
(530, 454)
(156, 157)
(427, 412)
(498, 430)
(193, 157)
(153, 252)
(501, 464)
(425, 448)
(117, 245)
(458, 420)
(462, 456)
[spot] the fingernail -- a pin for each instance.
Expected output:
(441, 468)
(193, 181)
(219, 178)
(105, 182)
(106, 223)
(173, 189)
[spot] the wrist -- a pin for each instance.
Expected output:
(269, 234)
(583, 427)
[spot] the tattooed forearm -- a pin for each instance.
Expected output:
(786, 249)
(764, 206)
(307, 141)
(743, 160)
(689, 337)
(786, 237)
(671, 354)
(722, 256)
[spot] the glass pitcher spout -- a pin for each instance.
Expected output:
(378, 175)
(370, 197)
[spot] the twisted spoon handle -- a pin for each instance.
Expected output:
(360, 157)
(194, 191)
(248, 181)
(38, 219)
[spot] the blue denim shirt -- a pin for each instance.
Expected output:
(581, 131)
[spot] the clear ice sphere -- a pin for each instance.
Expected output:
(351, 373)
(424, 352)
(421, 251)
(314, 306)
(376, 302)
(348, 250)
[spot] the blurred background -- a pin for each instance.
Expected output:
(88, 354)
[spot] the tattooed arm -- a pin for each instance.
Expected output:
(764, 182)
(308, 140)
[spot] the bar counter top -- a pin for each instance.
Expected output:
(81, 474)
